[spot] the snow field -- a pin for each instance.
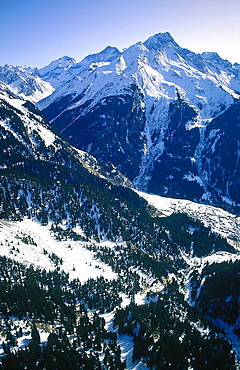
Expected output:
(77, 260)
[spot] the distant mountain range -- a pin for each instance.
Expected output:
(82, 146)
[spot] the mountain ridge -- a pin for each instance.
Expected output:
(148, 87)
(168, 83)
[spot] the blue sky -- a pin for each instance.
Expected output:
(35, 32)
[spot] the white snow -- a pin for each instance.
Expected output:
(46, 135)
(25, 82)
(126, 343)
(77, 259)
(220, 221)
(16, 103)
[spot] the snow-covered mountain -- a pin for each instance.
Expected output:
(94, 273)
(58, 71)
(165, 116)
(25, 81)
(35, 84)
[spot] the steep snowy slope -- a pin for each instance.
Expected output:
(154, 110)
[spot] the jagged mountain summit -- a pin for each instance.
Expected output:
(168, 118)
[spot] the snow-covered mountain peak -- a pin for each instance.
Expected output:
(25, 81)
(159, 66)
(222, 70)
(58, 71)
(210, 55)
(133, 55)
(106, 55)
(12, 74)
(18, 69)
(160, 41)
(110, 50)
(62, 63)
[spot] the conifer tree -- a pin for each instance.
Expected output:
(35, 334)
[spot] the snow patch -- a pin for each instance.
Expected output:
(77, 260)
(220, 221)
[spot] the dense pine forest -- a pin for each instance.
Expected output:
(163, 329)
